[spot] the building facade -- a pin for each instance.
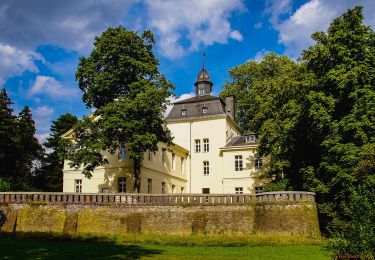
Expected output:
(210, 154)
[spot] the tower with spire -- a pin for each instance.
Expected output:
(203, 85)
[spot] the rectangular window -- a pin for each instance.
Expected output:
(163, 188)
(182, 165)
(204, 110)
(200, 91)
(259, 163)
(197, 146)
(206, 190)
(250, 139)
(149, 155)
(238, 165)
(206, 168)
(258, 189)
(173, 188)
(182, 189)
(239, 190)
(78, 184)
(163, 156)
(183, 112)
(206, 145)
(149, 185)
(121, 184)
(105, 190)
(173, 161)
(122, 151)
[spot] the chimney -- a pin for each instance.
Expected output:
(229, 106)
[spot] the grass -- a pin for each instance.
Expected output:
(37, 246)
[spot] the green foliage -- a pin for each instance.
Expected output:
(282, 184)
(49, 176)
(19, 149)
(120, 79)
(316, 119)
(4, 185)
(358, 238)
(119, 58)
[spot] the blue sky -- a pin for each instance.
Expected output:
(42, 40)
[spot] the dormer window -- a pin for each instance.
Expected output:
(183, 112)
(200, 91)
(250, 139)
(204, 110)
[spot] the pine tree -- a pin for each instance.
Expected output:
(8, 147)
(49, 176)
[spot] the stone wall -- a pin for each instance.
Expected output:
(291, 213)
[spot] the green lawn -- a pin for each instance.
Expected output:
(63, 248)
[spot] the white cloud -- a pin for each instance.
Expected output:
(14, 61)
(236, 35)
(187, 25)
(69, 23)
(174, 99)
(315, 15)
(43, 111)
(260, 54)
(51, 87)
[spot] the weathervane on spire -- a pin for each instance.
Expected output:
(203, 58)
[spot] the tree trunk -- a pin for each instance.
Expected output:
(137, 175)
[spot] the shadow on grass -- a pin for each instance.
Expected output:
(41, 246)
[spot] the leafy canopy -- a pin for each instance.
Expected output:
(121, 80)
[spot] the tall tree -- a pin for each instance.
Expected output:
(28, 150)
(342, 109)
(269, 96)
(317, 118)
(7, 138)
(49, 176)
(121, 80)
(19, 149)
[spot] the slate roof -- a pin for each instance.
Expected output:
(240, 141)
(194, 107)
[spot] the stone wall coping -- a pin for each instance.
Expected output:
(154, 199)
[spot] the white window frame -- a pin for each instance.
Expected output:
(121, 183)
(163, 156)
(173, 161)
(197, 145)
(259, 163)
(204, 110)
(207, 189)
(238, 163)
(122, 151)
(78, 185)
(206, 145)
(182, 165)
(206, 168)
(183, 112)
(238, 190)
(258, 189)
(200, 91)
(250, 139)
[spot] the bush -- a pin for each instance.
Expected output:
(358, 237)
(4, 185)
(278, 185)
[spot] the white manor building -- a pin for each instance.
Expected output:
(209, 155)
